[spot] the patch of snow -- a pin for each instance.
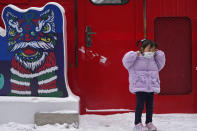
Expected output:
(116, 122)
(108, 110)
(22, 109)
(63, 112)
(36, 99)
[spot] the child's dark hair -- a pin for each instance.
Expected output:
(144, 43)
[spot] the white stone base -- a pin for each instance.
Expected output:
(22, 109)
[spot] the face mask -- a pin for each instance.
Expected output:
(148, 54)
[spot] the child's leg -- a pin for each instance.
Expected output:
(140, 99)
(149, 107)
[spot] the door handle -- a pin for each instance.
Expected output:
(89, 36)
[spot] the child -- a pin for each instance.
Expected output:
(143, 67)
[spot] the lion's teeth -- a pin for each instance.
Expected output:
(22, 44)
(19, 46)
(52, 45)
(33, 44)
(47, 46)
(14, 48)
(41, 45)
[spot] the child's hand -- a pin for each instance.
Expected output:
(155, 50)
(138, 53)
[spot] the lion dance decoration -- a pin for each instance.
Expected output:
(33, 37)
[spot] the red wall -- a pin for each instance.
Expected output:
(118, 27)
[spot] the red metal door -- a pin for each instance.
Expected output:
(113, 27)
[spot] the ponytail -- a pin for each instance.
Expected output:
(140, 42)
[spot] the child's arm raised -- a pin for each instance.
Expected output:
(160, 59)
(129, 59)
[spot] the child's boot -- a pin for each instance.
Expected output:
(151, 127)
(140, 127)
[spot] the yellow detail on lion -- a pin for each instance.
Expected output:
(28, 55)
(12, 32)
(13, 42)
(45, 39)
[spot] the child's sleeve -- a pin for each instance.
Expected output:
(128, 59)
(160, 59)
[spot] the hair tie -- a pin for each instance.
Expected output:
(143, 39)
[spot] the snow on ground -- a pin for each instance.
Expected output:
(116, 122)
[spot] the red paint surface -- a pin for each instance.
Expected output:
(105, 85)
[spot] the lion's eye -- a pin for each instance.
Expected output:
(47, 28)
